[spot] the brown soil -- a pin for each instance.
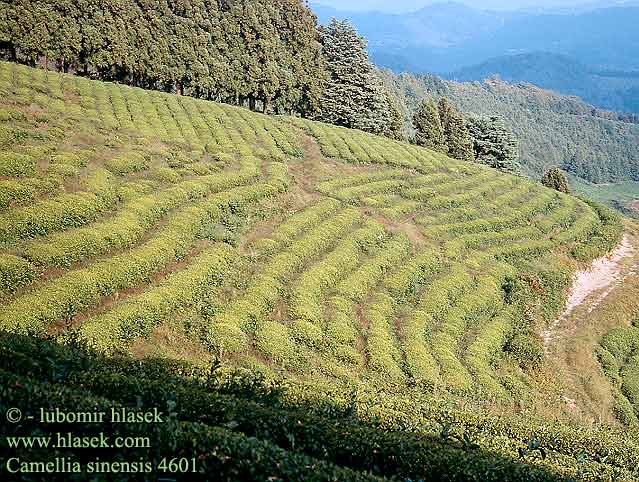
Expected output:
(407, 227)
(602, 298)
(592, 286)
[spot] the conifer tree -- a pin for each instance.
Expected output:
(445, 111)
(460, 145)
(458, 141)
(555, 179)
(428, 127)
(261, 53)
(354, 97)
(395, 128)
(493, 144)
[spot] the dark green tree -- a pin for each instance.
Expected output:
(460, 145)
(263, 54)
(354, 97)
(458, 142)
(395, 127)
(493, 144)
(555, 179)
(445, 111)
(428, 127)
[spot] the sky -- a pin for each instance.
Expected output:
(398, 6)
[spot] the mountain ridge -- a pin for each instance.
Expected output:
(553, 129)
(616, 91)
(487, 34)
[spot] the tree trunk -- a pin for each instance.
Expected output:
(252, 103)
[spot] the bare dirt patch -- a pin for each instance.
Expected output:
(406, 227)
(170, 341)
(593, 285)
(603, 297)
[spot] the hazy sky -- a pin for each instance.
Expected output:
(411, 5)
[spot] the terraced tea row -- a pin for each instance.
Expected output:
(619, 358)
(130, 218)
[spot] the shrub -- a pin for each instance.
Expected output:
(13, 164)
(15, 273)
(128, 163)
(527, 349)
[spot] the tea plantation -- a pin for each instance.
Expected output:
(330, 305)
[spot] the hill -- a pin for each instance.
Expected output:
(361, 309)
(418, 41)
(569, 35)
(622, 196)
(617, 91)
(553, 130)
(429, 26)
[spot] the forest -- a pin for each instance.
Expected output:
(553, 130)
(240, 52)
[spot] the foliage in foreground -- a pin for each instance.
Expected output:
(239, 426)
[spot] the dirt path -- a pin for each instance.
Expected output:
(592, 287)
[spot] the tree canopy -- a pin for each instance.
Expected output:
(261, 53)
(493, 143)
(552, 130)
(458, 139)
(428, 127)
(555, 179)
(441, 127)
(353, 97)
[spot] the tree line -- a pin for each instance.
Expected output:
(484, 139)
(264, 54)
(552, 130)
(267, 55)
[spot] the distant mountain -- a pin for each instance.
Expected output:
(581, 7)
(440, 25)
(618, 91)
(445, 37)
(605, 39)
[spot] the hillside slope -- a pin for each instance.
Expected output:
(616, 91)
(553, 130)
(335, 261)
